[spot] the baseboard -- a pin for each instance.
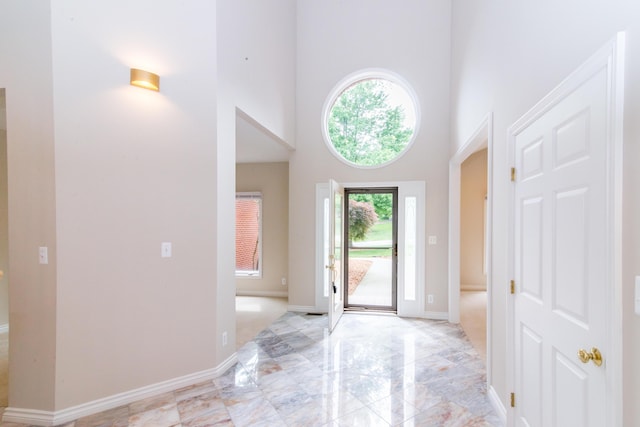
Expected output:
(4, 328)
(46, 418)
(495, 401)
(305, 309)
(473, 288)
(277, 294)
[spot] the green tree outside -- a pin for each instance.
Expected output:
(364, 127)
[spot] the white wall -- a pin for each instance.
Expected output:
(272, 180)
(257, 51)
(256, 74)
(335, 39)
(473, 190)
(134, 168)
(506, 57)
(26, 74)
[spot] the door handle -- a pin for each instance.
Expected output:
(595, 355)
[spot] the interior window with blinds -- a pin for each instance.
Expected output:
(249, 234)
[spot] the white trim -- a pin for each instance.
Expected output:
(276, 294)
(4, 328)
(47, 418)
(306, 309)
(405, 189)
(611, 57)
(322, 301)
(497, 405)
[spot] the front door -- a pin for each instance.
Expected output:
(371, 254)
(335, 260)
(563, 255)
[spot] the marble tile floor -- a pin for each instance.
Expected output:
(372, 371)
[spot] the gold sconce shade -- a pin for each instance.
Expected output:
(145, 79)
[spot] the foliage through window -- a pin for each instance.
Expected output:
(371, 122)
(248, 234)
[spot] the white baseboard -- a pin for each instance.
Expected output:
(47, 418)
(4, 328)
(278, 294)
(495, 401)
(305, 309)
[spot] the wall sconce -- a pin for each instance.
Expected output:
(145, 79)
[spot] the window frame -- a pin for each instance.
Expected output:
(352, 79)
(252, 274)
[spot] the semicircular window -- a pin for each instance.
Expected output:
(371, 122)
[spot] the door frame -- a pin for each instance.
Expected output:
(337, 219)
(393, 308)
(611, 57)
(413, 306)
(481, 138)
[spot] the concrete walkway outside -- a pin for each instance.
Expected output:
(375, 287)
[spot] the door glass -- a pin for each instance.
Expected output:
(372, 258)
(410, 248)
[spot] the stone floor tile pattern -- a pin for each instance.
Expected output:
(373, 370)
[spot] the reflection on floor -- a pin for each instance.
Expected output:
(254, 314)
(473, 318)
(373, 370)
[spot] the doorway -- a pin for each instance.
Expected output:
(4, 257)
(371, 261)
(473, 249)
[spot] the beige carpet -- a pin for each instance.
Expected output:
(253, 314)
(473, 318)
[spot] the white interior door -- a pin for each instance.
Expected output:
(335, 262)
(563, 259)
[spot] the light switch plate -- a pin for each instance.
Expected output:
(166, 250)
(433, 240)
(43, 255)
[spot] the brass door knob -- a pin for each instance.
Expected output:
(594, 355)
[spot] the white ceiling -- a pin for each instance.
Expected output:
(255, 144)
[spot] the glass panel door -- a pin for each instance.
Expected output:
(335, 260)
(371, 229)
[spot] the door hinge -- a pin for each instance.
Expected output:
(513, 286)
(513, 400)
(513, 174)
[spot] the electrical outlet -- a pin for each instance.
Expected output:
(430, 299)
(224, 338)
(284, 281)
